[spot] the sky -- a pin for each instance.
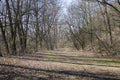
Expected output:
(66, 4)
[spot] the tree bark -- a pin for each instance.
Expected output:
(12, 29)
(4, 37)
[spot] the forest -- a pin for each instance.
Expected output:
(59, 39)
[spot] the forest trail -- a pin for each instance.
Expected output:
(59, 65)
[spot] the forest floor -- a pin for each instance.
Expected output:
(63, 64)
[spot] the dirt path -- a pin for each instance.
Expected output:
(58, 65)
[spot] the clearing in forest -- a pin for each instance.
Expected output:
(59, 65)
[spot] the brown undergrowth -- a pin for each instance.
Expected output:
(58, 65)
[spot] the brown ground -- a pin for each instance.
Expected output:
(57, 65)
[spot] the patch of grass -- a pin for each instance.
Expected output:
(103, 60)
(94, 60)
(50, 56)
(59, 57)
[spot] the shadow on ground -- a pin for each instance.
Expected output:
(79, 60)
(11, 75)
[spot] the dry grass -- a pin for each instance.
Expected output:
(58, 65)
(70, 52)
(62, 69)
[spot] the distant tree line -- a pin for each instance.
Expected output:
(95, 25)
(28, 25)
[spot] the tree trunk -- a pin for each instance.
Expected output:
(12, 29)
(4, 37)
